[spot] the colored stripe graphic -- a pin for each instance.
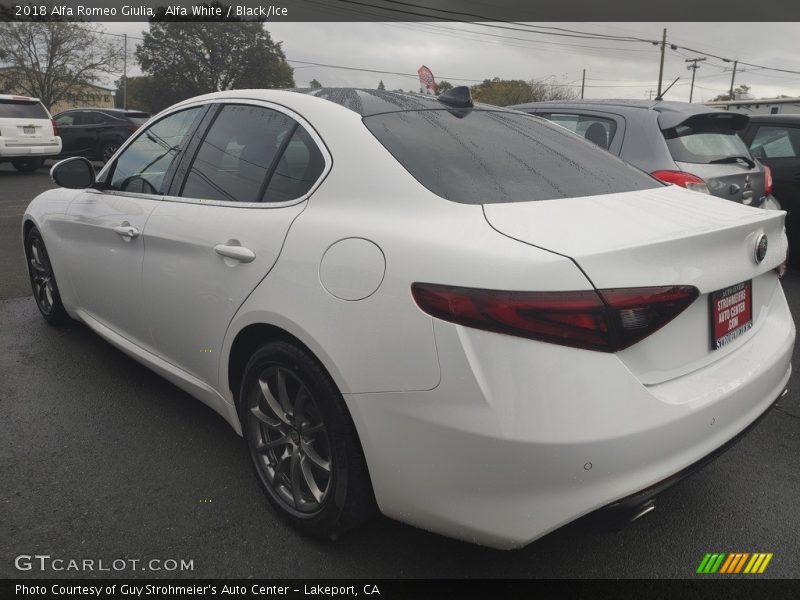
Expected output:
(728, 562)
(741, 562)
(734, 563)
(764, 564)
(703, 563)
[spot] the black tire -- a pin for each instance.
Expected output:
(347, 499)
(27, 165)
(107, 150)
(43, 280)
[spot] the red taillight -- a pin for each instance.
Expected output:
(56, 132)
(606, 320)
(767, 180)
(683, 179)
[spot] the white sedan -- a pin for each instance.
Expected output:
(462, 316)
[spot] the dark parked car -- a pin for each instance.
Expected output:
(96, 133)
(690, 145)
(775, 141)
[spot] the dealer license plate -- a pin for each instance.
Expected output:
(731, 313)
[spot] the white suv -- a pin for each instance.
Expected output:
(27, 132)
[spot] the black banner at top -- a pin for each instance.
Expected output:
(405, 10)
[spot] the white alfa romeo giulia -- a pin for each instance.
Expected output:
(463, 316)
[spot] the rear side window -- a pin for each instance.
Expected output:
(253, 154)
(20, 109)
(598, 130)
(486, 157)
(704, 141)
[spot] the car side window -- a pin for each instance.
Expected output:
(298, 169)
(87, 117)
(598, 130)
(253, 154)
(143, 164)
(776, 142)
(65, 119)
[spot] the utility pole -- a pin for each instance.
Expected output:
(661, 67)
(125, 72)
(583, 83)
(733, 77)
(694, 66)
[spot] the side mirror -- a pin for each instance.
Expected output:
(75, 173)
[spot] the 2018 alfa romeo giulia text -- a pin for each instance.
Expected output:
(463, 316)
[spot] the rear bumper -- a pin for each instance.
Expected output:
(18, 149)
(522, 437)
(630, 507)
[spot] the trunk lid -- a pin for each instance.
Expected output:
(664, 236)
(661, 237)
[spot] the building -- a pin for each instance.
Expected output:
(760, 106)
(84, 95)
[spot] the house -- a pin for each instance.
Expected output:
(83, 95)
(760, 106)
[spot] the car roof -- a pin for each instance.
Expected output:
(671, 113)
(117, 111)
(367, 102)
(18, 97)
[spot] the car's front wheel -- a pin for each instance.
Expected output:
(302, 442)
(26, 165)
(43, 281)
(107, 150)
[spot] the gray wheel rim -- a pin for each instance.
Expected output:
(41, 277)
(108, 151)
(289, 441)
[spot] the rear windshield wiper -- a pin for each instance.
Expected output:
(733, 159)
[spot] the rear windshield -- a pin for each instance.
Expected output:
(21, 109)
(704, 141)
(487, 157)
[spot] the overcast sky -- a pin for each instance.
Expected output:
(472, 52)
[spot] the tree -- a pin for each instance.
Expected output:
(443, 86)
(503, 92)
(187, 58)
(53, 60)
(380, 85)
(740, 91)
(144, 94)
(314, 84)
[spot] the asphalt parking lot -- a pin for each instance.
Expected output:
(100, 458)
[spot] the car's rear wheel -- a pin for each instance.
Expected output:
(26, 165)
(107, 150)
(43, 281)
(302, 442)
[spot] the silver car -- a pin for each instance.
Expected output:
(690, 145)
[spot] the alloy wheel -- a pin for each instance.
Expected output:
(108, 151)
(41, 276)
(290, 442)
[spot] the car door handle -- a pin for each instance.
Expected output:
(240, 253)
(126, 230)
